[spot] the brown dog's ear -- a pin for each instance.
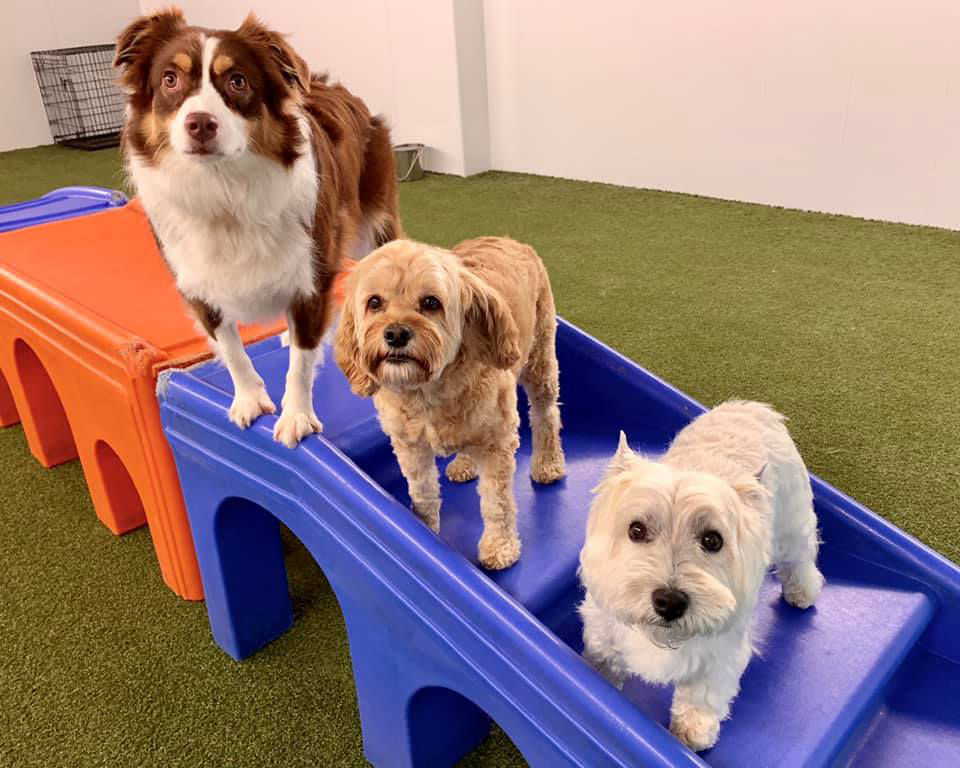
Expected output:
(346, 351)
(489, 327)
(293, 68)
(139, 41)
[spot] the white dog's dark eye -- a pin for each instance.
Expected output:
(711, 541)
(374, 303)
(637, 531)
(238, 82)
(430, 304)
(170, 79)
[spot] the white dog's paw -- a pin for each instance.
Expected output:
(695, 728)
(429, 513)
(802, 585)
(462, 469)
(248, 404)
(293, 426)
(497, 551)
(547, 467)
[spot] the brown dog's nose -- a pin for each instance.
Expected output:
(397, 336)
(201, 126)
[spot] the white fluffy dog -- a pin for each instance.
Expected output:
(676, 551)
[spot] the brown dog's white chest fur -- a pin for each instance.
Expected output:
(258, 179)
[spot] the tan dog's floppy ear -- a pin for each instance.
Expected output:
(138, 42)
(346, 351)
(489, 327)
(293, 68)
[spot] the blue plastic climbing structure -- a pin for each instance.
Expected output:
(870, 677)
(63, 203)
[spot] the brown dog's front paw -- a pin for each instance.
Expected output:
(496, 551)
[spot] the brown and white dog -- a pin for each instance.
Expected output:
(258, 178)
(439, 339)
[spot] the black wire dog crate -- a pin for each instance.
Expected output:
(84, 105)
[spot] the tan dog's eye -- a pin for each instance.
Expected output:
(638, 531)
(238, 82)
(374, 303)
(171, 79)
(711, 541)
(430, 304)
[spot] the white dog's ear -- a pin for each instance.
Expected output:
(346, 351)
(489, 327)
(753, 531)
(622, 459)
(751, 491)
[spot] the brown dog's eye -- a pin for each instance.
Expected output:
(374, 303)
(171, 79)
(238, 82)
(637, 531)
(430, 304)
(711, 541)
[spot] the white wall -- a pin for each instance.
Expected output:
(400, 57)
(849, 107)
(36, 25)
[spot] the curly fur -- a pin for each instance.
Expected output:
(454, 387)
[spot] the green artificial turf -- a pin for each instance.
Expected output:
(848, 326)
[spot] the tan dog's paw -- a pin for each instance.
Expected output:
(248, 404)
(293, 426)
(497, 552)
(462, 469)
(429, 513)
(695, 728)
(547, 468)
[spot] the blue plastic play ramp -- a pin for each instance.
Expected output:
(63, 203)
(870, 677)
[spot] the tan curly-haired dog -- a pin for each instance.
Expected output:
(439, 339)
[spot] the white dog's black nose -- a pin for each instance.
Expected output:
(397, 336)
(670, 604)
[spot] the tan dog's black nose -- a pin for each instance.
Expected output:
(397, 336)
(201, 126)
(670, 604)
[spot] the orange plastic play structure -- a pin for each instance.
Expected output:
(89, 316)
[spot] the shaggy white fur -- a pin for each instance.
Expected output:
(676, 551)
